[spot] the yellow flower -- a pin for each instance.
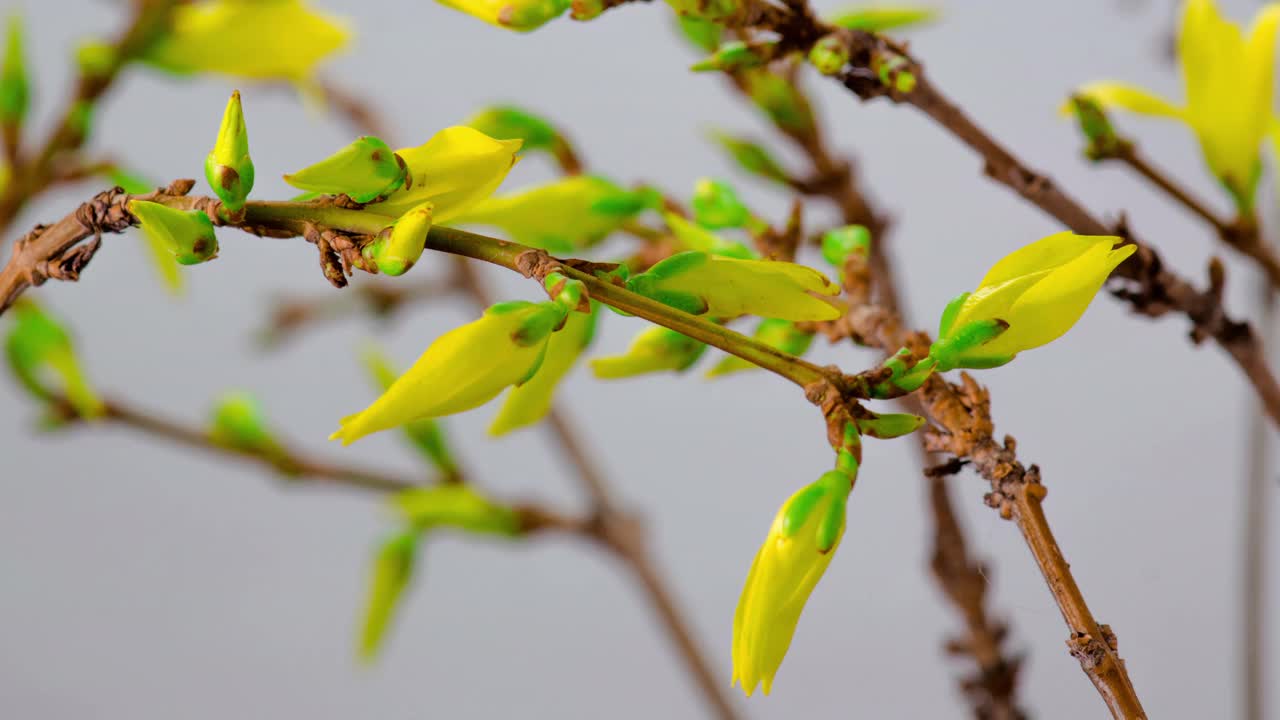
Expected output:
(457, 168)
(254, 39)
(463, 369)
(801, 542)
(519, 15)
(400, 244)
(1228, 80)
(655, 349)
(1030, 298)
(724, 287)
(560, 216)
(530, 402)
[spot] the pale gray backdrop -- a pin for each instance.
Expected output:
(141, 581)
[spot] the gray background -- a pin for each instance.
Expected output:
(141, 581)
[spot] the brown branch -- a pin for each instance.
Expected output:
(1243, 234)
(35, 173)
(620, 531)
(992, 689)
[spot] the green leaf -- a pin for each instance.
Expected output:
(880, 19)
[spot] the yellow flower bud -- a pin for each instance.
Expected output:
(1030, 298)
(457, 168)
(188, 234)
(399, 246)
(228, 168)
(518, 15)
(530, 402)
(723, 287)
(463, 369)
(561, 215)
(260, 40)
(1228, 77)
(801, 542)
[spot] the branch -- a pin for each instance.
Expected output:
(31, 175)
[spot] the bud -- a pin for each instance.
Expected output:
(238, 422)
(400, 244)
(751, 157)
(696, 237)
(722, 287)
(778, 334)
(830, 54)
(228, 168)
(364, 171)
(426, 435)
(795, 555)
(717, 11)
(780, 100)
(654, 350)
(43, 358)
(716, 205)
(188, 234)
(463, 369)
(735, 56)
(96, 59)
(1030, 298)
(881, 18)
(895, 71)
(518, 15)
(702, 34)
(1096, 128)
(530, 402)
(15, 90)
(393, 568)
(508, 122)
(455, 506)
(889, 425)
(839, 243)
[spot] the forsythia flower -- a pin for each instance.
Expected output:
(1228, 79)
(653, 350)
(1031, 297)
(457, 168)
(254, 39)
(463, 369)
(804, 537)
(723, 287)
(530, 402)
(560, 216)
(426, 435)
(519, 15)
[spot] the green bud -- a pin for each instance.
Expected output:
(571, 294)
(907, 375)
(751, 157)
(42, 356)
(96, 59)
(400, 244)
(702, 34)
(426, 435)
(364, 171)
(780, 100)
(838, 244)
(709, 10)
(734, 56)
(778, 334)
(1096, 127)
(716, 205)
(895, 72)
(456, 506)
(238, 421)
(830, 54)
(880, 19)
(393, 568)
(508, 122)
(228, 168)
(15, 90)
(188, 234)
(889, 425)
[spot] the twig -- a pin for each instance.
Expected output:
(36, 172)
(620, 531)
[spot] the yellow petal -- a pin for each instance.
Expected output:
(1053, 305)
(530, 402)
(1043, 254)
(262, 40)
(559, 215)
(729, 287)
(1110, 94)
(463, 369)
(655, 349)
(457, 168)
